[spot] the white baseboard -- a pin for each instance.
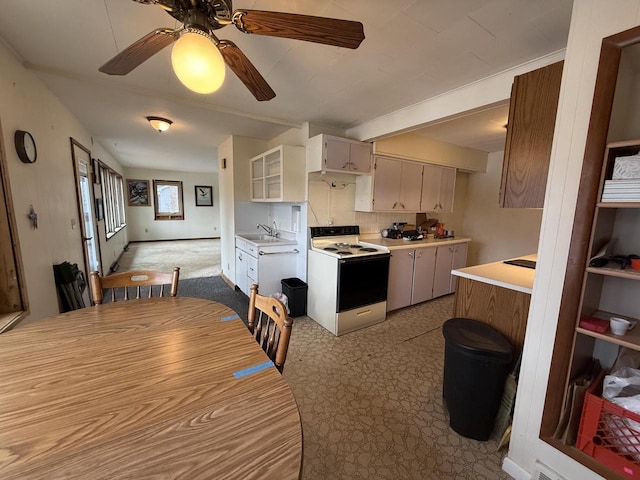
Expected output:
(514, 470)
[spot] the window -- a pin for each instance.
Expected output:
(167, 195)
(113, 200)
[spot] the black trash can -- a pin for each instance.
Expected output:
(476, 364)
(296, 291)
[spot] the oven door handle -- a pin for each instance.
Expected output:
(295, 250)
(365, 258)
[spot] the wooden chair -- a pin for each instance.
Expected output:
(270, 326)
(135, 279)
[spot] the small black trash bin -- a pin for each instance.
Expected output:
(296, 292)
(476, 363)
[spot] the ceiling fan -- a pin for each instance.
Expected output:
(206, 16)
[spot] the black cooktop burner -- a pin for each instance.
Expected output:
(355, 246)
(331, 249)
(344, 252)
(368, 249)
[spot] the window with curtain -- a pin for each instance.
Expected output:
(113, 200)
(167, 195)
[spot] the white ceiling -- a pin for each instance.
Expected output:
(413, 50)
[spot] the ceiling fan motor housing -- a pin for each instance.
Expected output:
(203, 14)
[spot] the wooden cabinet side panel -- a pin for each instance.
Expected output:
(531, 126)
(505, 310)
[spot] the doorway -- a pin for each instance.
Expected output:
(84, 190)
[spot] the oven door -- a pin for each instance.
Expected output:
(362, 281)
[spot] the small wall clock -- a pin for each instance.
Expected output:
(25, 146)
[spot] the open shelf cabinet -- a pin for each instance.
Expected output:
(600, 228)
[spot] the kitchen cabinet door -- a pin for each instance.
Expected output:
(459, 260)
(326, 153)
(400, 279)
(360, 157)
(410, 187)
(241, 271)
(337, 154)
(438, 186)
(386, 189)
(423, 274)
(442, 276)
(527, 151)
(447, 188)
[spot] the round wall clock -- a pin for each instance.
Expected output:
(25, 146)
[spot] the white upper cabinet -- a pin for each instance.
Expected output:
(438, 186)
(326, 153)
(404, 186)
(278, 175)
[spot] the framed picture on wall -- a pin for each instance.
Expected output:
(204, 195)
(138, 193)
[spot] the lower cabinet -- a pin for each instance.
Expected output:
(420, 274)
(268, 268)
(448, 257)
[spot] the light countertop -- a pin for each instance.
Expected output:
(501, 274)
(393, 244)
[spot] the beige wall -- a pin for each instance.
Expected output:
(199, 222)
(48, 185)
(415, 147)
(236, 211)
(497, 233)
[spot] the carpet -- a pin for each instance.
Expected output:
(196, 258)
(216, 289)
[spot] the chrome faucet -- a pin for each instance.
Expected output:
(274, 229)
(266, 228)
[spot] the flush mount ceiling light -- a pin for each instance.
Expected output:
(159, 123)
(197, 62)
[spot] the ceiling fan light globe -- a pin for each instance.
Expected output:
(198, 63)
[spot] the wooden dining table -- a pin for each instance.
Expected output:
(160, 388)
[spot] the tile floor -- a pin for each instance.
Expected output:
(371, 402)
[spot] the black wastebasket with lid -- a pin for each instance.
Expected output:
(476, 363)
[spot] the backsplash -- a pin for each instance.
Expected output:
(374, 222)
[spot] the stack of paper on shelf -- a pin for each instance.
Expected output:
(621, 190)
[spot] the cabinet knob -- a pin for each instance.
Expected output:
(411, 254)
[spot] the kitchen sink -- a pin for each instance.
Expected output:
(264, 239)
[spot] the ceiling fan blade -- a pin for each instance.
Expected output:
(245, 70)
(138, 52)
(330, 31)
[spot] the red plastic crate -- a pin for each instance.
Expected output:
(605, 436)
